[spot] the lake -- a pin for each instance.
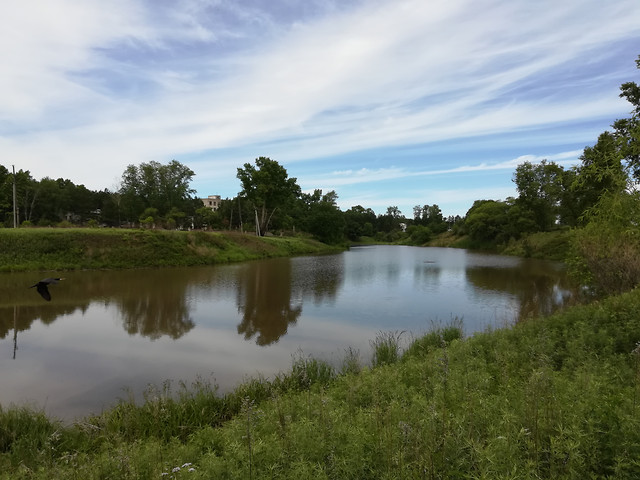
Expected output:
(107, 333)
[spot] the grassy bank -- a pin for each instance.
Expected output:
(69, 249)
(554, 245)
(549, 398)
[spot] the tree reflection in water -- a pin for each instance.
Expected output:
(539, 292)
(156, 307)
(264, 300)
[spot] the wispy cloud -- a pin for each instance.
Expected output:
(90, 87)
(366, 175)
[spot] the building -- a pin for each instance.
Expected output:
(212, 202)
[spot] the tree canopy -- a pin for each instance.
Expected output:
(268, 187)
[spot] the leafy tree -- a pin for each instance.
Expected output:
(601, 171)
(26, 195)
(391, 220)
(540, 191)
(322, 217)
(153, 185)
(359, 222)
(627, 130)
(486, 221)
(206, 218)
(430, 216)
(268, 187)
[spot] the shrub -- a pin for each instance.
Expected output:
(607, 249)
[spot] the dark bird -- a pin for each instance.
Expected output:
(42, 285)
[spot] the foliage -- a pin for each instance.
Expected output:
(360, 222)
(627, 130)
(608, 247)
(487, 221)
(600, 172)
(152, 185)
(430, 216)
(320, 216)
(540, 191)
(268, 187)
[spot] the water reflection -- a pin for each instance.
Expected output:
(264, 299)
(269, 295)
(539, 288)
(105, 330)
(318, 279)
(156, 307)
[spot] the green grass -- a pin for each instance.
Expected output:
(549, 398)
(69, 249)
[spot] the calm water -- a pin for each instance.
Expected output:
(107, 331)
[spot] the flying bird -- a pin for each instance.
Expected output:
(42, 285)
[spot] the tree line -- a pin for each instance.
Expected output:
(155, 195)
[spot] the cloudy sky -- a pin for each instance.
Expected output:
(387, 102)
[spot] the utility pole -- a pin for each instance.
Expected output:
(15, 216)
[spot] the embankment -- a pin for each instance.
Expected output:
(72, 249)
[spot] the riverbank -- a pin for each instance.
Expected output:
(73, 249)
(549, 398)
(554, 245)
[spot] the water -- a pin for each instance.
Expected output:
(108, 333)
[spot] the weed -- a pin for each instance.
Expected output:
(386, 348)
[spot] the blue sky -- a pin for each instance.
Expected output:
(387, 102)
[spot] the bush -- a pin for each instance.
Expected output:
(607, 249)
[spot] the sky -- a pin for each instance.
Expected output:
(387, 102)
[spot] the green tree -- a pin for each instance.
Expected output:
(486, 221)
(359, 222)
(26, 195)
(627, 130)
(154, 185)
(600, 171)
(540, 191)
(268, 187)
(391, 220)
(323, 218)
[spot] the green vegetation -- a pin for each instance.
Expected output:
(68, 249)
(550, 398)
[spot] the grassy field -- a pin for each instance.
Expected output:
(69, 249)
(555, 398)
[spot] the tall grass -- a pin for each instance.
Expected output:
(548, 398)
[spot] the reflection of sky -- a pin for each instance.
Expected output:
(83, 360)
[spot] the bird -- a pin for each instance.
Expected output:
(42, 285)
